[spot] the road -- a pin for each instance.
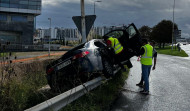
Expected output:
(29, 56)
(186, 48)
(169, 87)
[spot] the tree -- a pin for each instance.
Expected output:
(162, 32)
(145, 32)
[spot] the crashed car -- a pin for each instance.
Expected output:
(89, 59)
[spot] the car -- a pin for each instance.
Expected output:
(90, 59)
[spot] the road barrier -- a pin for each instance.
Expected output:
(62, 100)
(65, 98)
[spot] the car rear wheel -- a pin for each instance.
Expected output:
(107, 67)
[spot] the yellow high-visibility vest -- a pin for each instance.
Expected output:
(116, 45)
(146, 58)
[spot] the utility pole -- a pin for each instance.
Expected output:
(173, 26)
(95, 14)
(50, 36)
(83, 22)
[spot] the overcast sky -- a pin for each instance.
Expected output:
(117, 12)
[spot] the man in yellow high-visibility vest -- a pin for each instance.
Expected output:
(154, 56)
(146, 53)
(118, 50)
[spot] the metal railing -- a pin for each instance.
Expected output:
(63, 99)
(20, 47)
(67, 97)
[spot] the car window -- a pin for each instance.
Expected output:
(131, 30)
(99, 44)
(116, 34)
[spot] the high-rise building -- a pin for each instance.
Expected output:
(17, 20)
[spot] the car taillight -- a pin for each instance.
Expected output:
(50, 70)
(80, 55)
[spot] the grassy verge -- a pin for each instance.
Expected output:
(167, 50)
(19, 85)
(101, 98)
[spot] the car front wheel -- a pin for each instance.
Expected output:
(107, 68)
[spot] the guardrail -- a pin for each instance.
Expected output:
(62, 100)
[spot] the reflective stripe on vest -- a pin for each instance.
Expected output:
(146, 58)
(116, 45)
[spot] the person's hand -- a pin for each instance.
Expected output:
(153, 68)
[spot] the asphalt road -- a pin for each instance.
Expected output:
(186, 48)
(169, 87)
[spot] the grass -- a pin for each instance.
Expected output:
(5, 54)
(167, 50)
(15, 95)
(102, 97)
(20, 90)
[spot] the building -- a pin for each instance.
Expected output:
(17, 20)
(66, 34)
(70, 34)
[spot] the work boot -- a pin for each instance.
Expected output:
(140, 85)
(144, 92)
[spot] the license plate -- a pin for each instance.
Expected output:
(64, 65)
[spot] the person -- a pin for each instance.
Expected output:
(146, 53)
(178, 46)
(119, 53)
(152, 43)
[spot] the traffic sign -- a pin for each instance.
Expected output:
(89, 20)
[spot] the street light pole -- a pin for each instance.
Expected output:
(95, 13)
(49, 37)
(83, 22)
(173, 26)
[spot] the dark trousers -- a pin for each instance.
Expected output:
(118, 60)
(145, 73)
(122, 57)
(141, 82)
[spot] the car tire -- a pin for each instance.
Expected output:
(107, 67)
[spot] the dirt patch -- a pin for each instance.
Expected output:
(66, 47)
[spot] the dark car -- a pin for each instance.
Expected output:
(89, 59)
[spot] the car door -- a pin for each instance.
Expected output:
(134, 38)
(129, 37)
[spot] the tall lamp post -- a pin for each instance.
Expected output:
(49, 37)
(173, 26)
(95, 10)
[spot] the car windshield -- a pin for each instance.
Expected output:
(99, 44)
(115, 34)
(131, 31)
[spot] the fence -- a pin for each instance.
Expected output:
(24, 48)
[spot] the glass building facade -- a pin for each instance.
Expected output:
(21, 4)
(17, 20)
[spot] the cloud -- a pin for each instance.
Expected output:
(188, 26)
(57, 2)
(185, 35)
(114, 12)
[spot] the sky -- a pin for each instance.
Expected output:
(117, 13)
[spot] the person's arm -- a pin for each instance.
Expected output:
(154, 67)
(141, 51)
(155, 59)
